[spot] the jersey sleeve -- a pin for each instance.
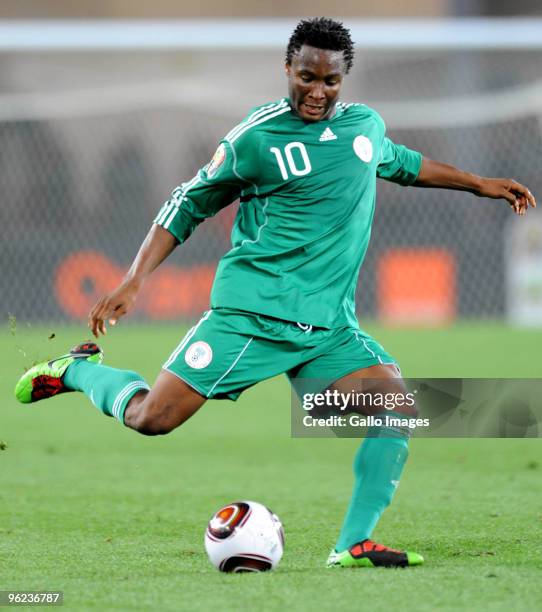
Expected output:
(216, 185)
(398, 163)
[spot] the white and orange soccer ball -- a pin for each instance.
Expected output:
(244, 536)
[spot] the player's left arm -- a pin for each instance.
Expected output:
(444, 176)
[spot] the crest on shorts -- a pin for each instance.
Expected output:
(198, 355)
(217, 161)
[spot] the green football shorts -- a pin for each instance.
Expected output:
(228, 351)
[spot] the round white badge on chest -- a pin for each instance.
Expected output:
(363, 148)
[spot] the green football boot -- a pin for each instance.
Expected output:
(371, 554)
(46, 379)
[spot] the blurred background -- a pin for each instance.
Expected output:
(106, 106)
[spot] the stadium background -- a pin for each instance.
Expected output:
(92, 142)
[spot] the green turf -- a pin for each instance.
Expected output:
(116, 520)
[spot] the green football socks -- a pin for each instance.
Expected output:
(109, 389)
(378, 465)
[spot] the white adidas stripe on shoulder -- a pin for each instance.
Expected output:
(256, 114)
(171, 207)
(255, 117)
(255, 123)
(344, 105)
(269, 108)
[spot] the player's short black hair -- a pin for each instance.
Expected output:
(322, 33)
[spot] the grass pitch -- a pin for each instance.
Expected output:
(116, 520)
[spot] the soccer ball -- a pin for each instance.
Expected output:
(244, 537)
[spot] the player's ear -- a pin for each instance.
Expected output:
(287, 68)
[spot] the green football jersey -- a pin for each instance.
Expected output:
(307, 198)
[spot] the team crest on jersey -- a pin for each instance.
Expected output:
(363, 148)
(198, 355)
(217, 161)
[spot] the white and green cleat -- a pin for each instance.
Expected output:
(371, 554)
(46, 378)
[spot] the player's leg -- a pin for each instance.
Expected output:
(378, 466)
(123, 394)
(349, 360)
(226, 352)
(167, 405)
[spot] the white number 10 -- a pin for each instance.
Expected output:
(290, 159)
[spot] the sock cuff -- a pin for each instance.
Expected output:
(124, 396)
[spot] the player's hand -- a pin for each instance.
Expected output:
(112, 307)
(516, 194)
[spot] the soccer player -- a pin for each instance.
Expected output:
(304, 169)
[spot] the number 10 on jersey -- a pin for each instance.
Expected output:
(295, 170)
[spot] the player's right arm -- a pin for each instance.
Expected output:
(156, 247)
(215, 186)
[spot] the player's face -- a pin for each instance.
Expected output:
(314, 81)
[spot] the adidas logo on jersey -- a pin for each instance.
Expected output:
(327, 134)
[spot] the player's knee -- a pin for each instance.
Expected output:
(401, 400)
(155, 419)
(150, 426)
